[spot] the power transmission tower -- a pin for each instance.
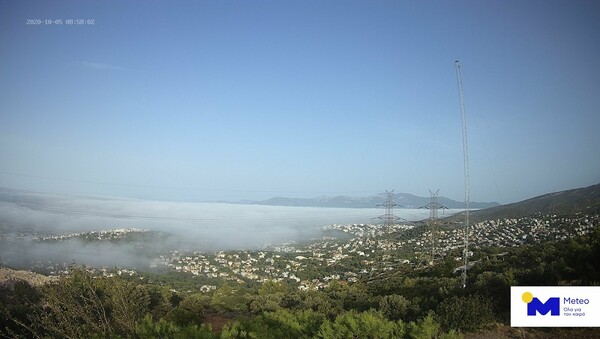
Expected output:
(433, 206)
(466, 169)
(389, 219)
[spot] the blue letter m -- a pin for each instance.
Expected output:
(552, 305)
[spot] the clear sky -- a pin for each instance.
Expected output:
(210, 100)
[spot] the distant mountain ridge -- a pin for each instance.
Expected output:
(403, 200)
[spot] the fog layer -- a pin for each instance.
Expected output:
(190, 226)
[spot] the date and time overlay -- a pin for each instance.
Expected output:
(60, 22)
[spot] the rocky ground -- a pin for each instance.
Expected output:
(9, 277)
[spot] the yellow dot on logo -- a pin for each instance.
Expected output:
(527, 297)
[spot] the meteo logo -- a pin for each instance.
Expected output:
(535, 305)
(555, 306)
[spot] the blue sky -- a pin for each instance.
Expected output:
(211, 100)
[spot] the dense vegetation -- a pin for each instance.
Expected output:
(427, 303)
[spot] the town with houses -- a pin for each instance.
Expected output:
(365, 250)
(110, 234)
(370, 249)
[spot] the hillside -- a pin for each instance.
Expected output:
(586, 199)
(9, 277)
(326, 287)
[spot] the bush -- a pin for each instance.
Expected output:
(279, 324)
(394, 306)
(166, 329)
(368, 324)
(465, 314)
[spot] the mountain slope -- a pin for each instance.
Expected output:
(586, 199)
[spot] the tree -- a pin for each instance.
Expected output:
(353, 296)
(190, 311)
(465, 313)
(72, 308)
(394, 306)
(496, 286)
(226, 299)
(129, 304)
(279, 324)
(147, 328)
(272, 287)
(17, 303)
(265, 303)
(427, 328)
(160, 301)
(321, 303)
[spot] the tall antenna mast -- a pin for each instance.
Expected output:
(466, 164)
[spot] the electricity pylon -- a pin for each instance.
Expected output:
(389, 219)
(433, 206)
